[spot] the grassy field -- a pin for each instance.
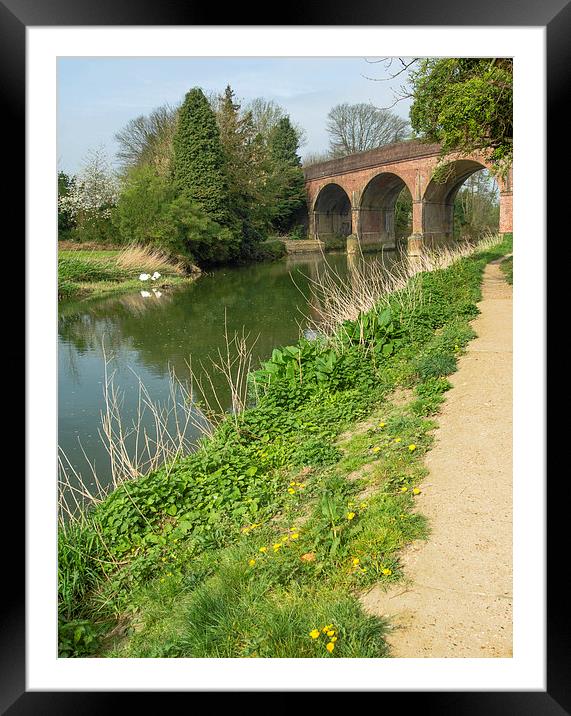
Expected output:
(260, 543)
(93, 272)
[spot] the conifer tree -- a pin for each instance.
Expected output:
(287, 180)
(199, 166)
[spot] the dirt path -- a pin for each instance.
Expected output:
(457, 597)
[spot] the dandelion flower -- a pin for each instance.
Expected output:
(397, 440)
(292, 484)
(350, 515)
(295, 535)
(330, 646)
(412, 448)
(291, 491)
(376, 449)
(387, 571)
(252, 562)
(314, 633)
(356, 561)
(382, 425)
(263, 549)
(277, 546)
(404, 489)
(331, 633)
(415, 491)
(333, 639)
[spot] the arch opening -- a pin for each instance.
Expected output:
(462, 205)
(332, 214)
(386, 211)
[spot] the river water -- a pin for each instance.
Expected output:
(144, 339)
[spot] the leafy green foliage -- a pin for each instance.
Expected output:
(466, 105)
(151, 211)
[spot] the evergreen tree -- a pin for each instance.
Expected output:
(245, 170)
(199, 166)
(286, 182)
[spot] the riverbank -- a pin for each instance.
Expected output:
(259, 543)
(95, 272)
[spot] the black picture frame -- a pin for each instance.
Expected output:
(15, 17)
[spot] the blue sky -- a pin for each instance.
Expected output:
(97, 96)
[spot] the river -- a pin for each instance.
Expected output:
(145, 338)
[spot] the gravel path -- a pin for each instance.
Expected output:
(456, 600)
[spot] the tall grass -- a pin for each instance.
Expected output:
(137, 256)
(335, 300)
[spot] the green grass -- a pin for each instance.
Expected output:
(94, 273)
(507, 267)
(277, 523)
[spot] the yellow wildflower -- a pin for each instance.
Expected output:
(331, 633)
(327, 628)
(382, 425)
(292, 484)
(295, 535)
(263, 549)
(333, 639)
(404, 489)
(291, 490)
(356, 561)
(314, 633)
(415, 491)
(376, 449)
(277, 546)
(252, 562)
(412, 448)
(387, 571)
(330, 646)
(350, 515)
(301, 484)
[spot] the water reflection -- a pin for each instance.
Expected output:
(147, 337)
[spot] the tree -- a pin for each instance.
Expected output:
(148, 140)
(65, 219)
(246, 170)
(477, 206)
(466, 104)
(286, 182)
(90, 199)
(359, 127)
(150, 211)
(265, 116)
(199, 165)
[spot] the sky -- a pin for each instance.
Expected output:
(97, 96)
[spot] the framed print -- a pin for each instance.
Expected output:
(51, 52)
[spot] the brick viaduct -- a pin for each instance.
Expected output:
(356, 194)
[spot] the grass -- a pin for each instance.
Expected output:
(94, 272)
(288, 512)
(507, 267)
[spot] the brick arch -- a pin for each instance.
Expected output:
(438, 200)
(376, 223)
(331, 211)
(414, 163)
